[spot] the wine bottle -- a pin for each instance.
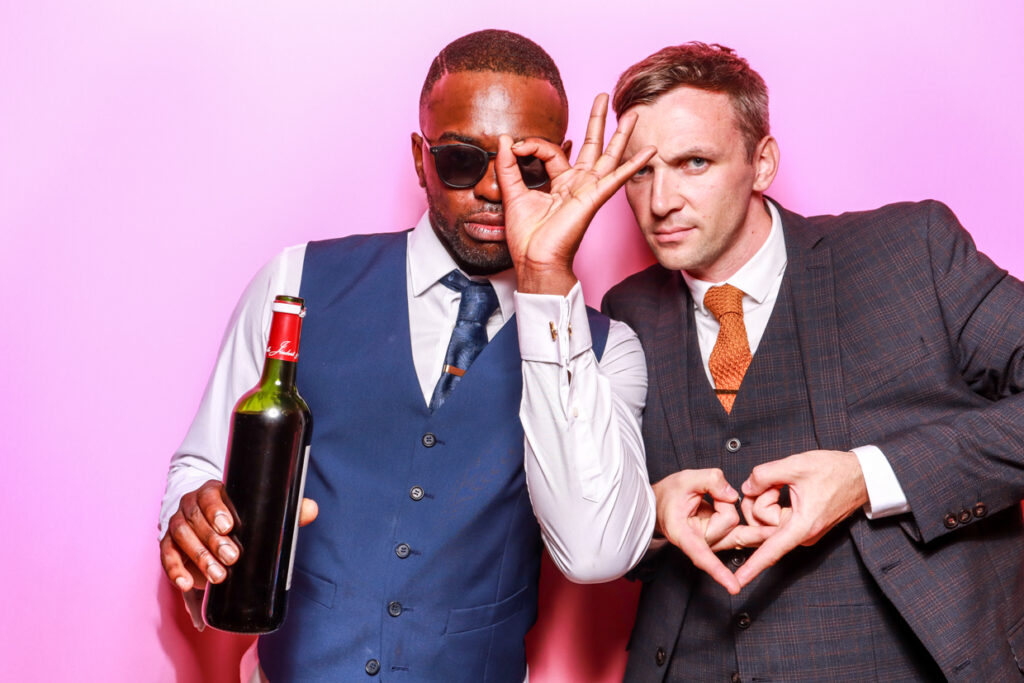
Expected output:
(268, 449)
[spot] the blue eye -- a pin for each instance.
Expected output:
(698, 163)
(646, 170)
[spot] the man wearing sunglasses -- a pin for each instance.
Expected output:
(447, 443)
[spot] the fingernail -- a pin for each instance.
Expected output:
(182, 583)
(730, 491)
(227, 552)
(216, 573)
(222, 521)
(517, 144)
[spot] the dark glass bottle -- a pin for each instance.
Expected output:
(268, 449)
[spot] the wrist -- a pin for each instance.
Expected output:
(555, 280)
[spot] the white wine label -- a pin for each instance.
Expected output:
(295, 531)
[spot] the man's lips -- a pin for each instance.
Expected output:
(674, 233)
(486, 227)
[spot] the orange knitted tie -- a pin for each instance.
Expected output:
(731, 356)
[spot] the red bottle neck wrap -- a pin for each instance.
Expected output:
(284, 331)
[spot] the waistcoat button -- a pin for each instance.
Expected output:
(416, 493)
(372, 667)
(660, 656)
(394, 608)
(743, 621)
(428, 440)
(733, 445)
(402, 550)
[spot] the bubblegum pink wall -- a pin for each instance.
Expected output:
(154, 155)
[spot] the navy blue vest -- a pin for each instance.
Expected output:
(423, 562)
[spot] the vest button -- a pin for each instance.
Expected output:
(743, 621)
(660, 656)
(737, 560)
(394, 608)
(950, 521)
(372, 667)
(416, 493)
(733, 445)
(428, 440)
(402, 550)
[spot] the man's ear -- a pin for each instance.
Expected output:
(567, 148)
(766, 163)
(417, 158)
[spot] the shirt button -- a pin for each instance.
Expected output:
(660, 656)
(416, 493)
(965, 516)
(743, 621)
(950, 521)
(372, 667)
(402, 550)
(733, 445)
(980, 510)
(428, 440)
(394, 608)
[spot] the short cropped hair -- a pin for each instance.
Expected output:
(709, 67)
(493, 50)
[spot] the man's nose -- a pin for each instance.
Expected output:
(487, 188)
(666, 195)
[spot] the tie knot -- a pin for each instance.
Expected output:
(478, 300)
(723, 300)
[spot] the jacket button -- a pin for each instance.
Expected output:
(402, 550)
(733, 445)
(659, 656)
(428, 440)
(743, 621)
(980, 510)
(394, 608)
(965, 516)
(737, 560)
(950, 521)
(416, 493)
(372, 667)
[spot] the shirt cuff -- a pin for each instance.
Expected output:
(552, 328)
(885, 495)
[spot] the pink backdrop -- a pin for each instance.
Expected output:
(154, 155)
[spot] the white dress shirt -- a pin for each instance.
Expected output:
(584, 457)
(760, 279)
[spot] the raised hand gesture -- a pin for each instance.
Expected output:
(544, 228)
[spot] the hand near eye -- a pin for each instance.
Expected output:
(825, 487)
(544, 228)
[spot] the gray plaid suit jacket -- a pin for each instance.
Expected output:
(912, 341)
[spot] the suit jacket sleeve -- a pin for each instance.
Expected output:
(968, 460)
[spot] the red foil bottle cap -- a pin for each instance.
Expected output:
(285, 328)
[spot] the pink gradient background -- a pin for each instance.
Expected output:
(154, 155)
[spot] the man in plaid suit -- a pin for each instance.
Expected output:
(862, 396)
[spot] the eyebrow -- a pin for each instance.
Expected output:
(690, 153)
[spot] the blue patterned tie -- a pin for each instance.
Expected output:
(470, 334)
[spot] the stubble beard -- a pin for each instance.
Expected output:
(473, 259)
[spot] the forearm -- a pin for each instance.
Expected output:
(584, 453)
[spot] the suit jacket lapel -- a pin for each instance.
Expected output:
(668, 364)
(812, 285)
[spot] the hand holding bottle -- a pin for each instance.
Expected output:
(196, 547)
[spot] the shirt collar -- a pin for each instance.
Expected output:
(428, 261)
(757, 275)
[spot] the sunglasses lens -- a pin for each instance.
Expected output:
(461, 165)
(533, 172)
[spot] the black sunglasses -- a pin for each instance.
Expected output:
(461, 165)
